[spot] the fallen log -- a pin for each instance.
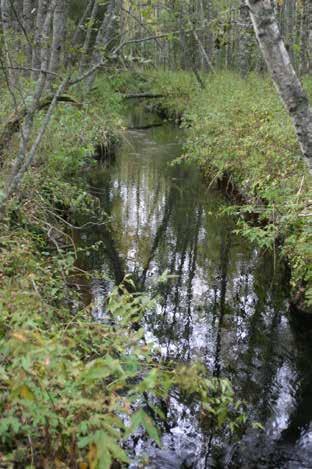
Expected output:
(146, 127)
(13, 123)
(143, 96)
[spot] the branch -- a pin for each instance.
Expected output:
(29, 69)
(143, 96)
(154, 38)
(87, 73)
(19, 171)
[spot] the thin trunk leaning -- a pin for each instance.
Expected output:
(283, 74)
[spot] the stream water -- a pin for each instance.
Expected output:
(227, 304)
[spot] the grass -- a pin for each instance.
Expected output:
(238, 129)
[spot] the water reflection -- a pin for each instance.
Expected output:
(226, 304)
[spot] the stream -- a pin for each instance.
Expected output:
(226, 305)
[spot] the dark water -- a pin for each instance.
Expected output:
(227, 305)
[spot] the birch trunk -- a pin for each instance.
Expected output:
(283, 73)
(204, 54)
(104, 36)
(58, 38)
(244, 39)
(87, 41)
(28, 157)
(27, 24)
(7, 39)
(29, 119)
(36, 57)
(78, 31)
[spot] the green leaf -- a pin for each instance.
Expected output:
(141, 418)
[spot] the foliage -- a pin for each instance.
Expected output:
(74, 390)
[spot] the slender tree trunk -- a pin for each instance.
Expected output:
(209, 12)
(182, 37)
(283, 73)
(58, 37)
(290, 6)
(244, 39)
(104, 36)
(36, 58)
(29, 118)
(204, 54)
(7, 32)
(77, 33)
(76, 38)
(28, 6)
(28, 157)
(306, 37)
(87, 41)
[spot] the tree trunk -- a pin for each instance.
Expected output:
(87, 42)
(36, 58)
(283, 73)
(27, 24)
(7, 38)
(104, 36)
(306, 37)
(244, 39)
(77, 33)
(204, 54)
(58, 37)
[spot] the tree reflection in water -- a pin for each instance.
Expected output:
(226, 304)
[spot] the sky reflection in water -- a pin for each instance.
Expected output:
(227, 304)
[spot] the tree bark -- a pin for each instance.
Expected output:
(36, 58)
(7, 32)
(58, 37)
(77, 33)
(104, 36)
(27, 24)
(282, 71)
(87, 42)
(29, 119)
(306, 37)
(18, 172)
(244, 39)
(203, 52)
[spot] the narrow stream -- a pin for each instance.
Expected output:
(227, 304)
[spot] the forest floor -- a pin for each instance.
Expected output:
(238, 132)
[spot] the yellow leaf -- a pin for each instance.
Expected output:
(19, 336)
(26, 393)
(92, 457)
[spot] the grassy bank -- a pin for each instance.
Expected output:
(73, 389)
(239, 130)
(240, 136)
